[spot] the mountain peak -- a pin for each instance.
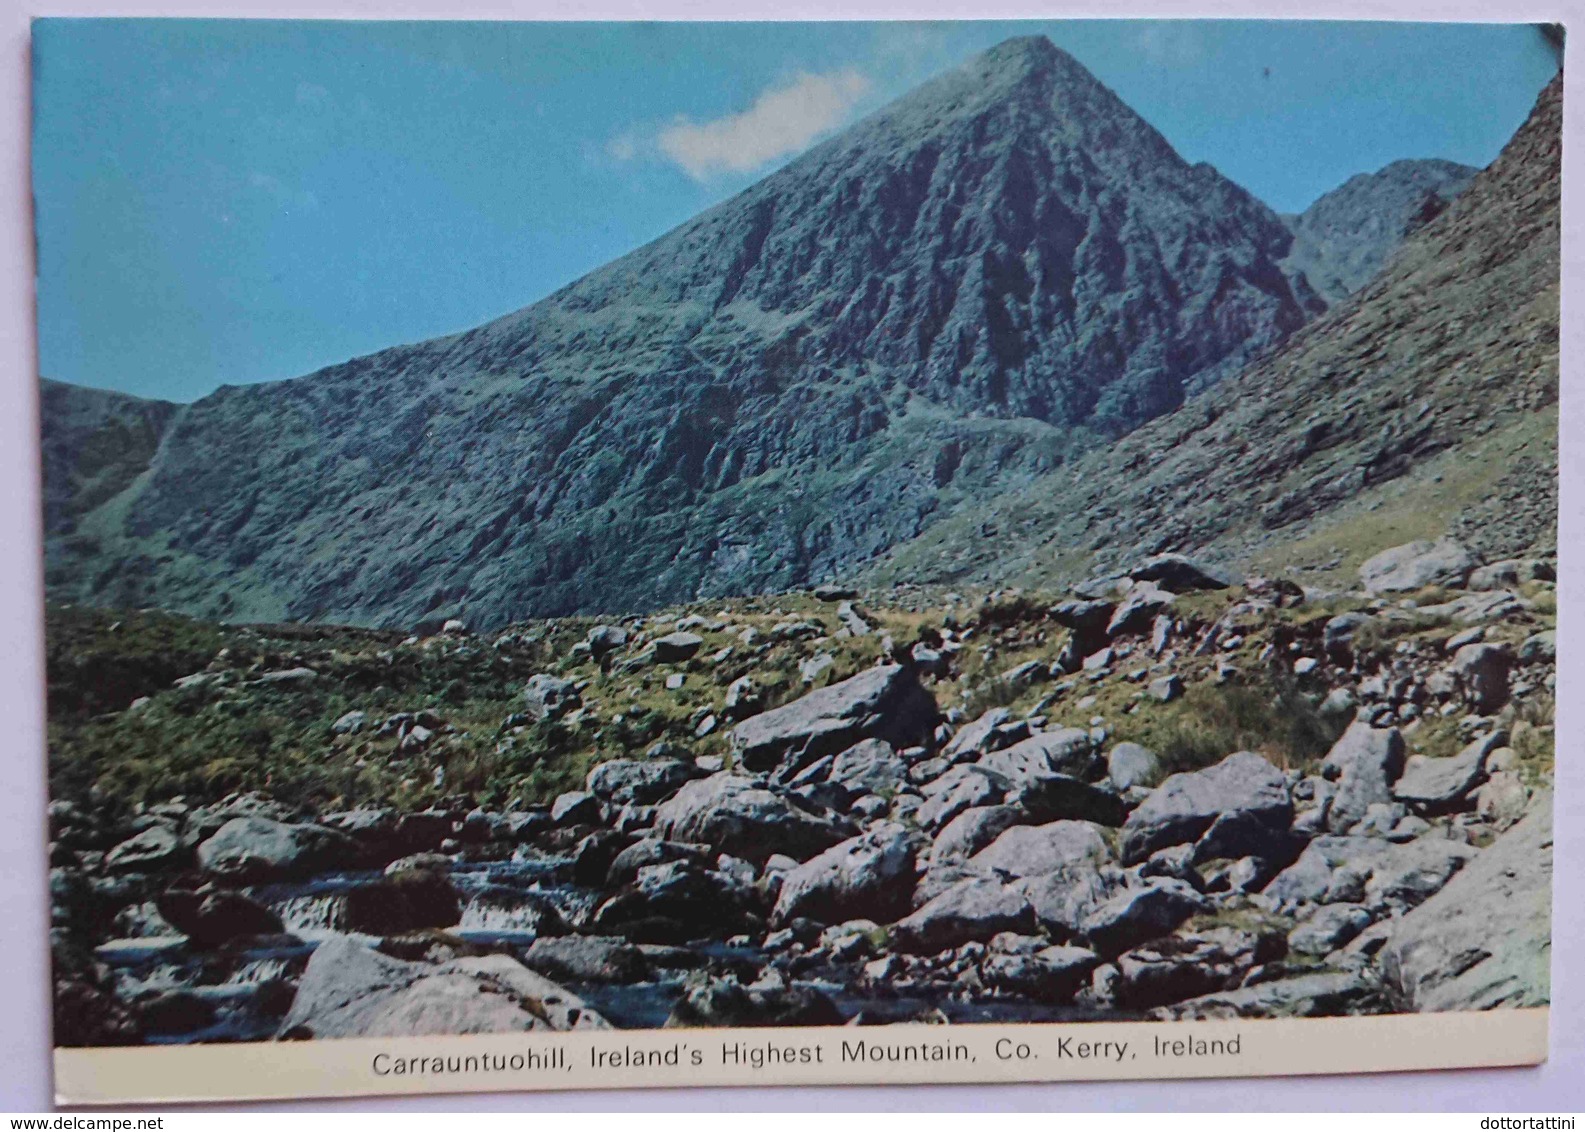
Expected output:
(1023, 51)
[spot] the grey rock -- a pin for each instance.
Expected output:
(1365, 762)
(1060, 797)
(547, 697)
(350, 723)
(867, 766)
(1129, 764)
(1137, 915)
(871, 875)
(1025, 851)
(1439, 785)
(604, 640)
(741, 816)
(351, 991)
(959, 789)
(1068, 750)
(1539, 648)
(1484, 940)
(1328, 928)
(1372, 871)
(644, 782)
(674, 648)
(575, 807)
(157, 847)
(1482, 674)
(726, 1003)
(1165, 689)
(679, 902)
(972, 830)
(1179, 574)
(1317, 995)
(885, 702)
(1050, 974)
(1190, 964)
(1415, 565)
(973, 910)
(625, 865)
(1138, 609)
(1064, 899)
(587, 959)
(1184, 806)
(253, 849)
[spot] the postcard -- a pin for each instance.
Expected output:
(609, 555)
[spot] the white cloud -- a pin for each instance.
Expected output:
(1170, 42)
(783, 120)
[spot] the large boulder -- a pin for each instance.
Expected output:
(961, 788)
(251, 849)
(679, 902)
(869, 877)
(675, 648)
(406, 900)
(973, 910)
(1068, 750)
(155, 848)
(1034, 850)
(1380, 874)
(588, 959)
(1365, 763)
(1181, 574)
(1063, 900)
(1440, 785)
(727, 1003)
(1051, 974)
(972, 830)
(1138, 915)
(1481, 671)
(869, 767)
(640, 782)
(211, 917)
(976, 738)
(885, 702)
(1184, 806)
(352, 991)
(1059, 797)
(1138, 609)
(1129, 765)
(1086, 619)
(547, 697)
(1415, 565)
(1484, 940)
(742, 816)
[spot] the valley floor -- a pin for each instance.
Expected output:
(1174, 795)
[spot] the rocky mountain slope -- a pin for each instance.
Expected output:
(1424, 405)
(999, 270)
(1343, 239)
(95, 443)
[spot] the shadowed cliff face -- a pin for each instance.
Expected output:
(1424, 405)
(1002, 269)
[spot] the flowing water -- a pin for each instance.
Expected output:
(245, 992)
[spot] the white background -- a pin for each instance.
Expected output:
(24, 1007)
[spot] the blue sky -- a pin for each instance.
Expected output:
(221, 202)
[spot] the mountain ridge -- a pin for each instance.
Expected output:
(944, 302)
(1423, 405)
